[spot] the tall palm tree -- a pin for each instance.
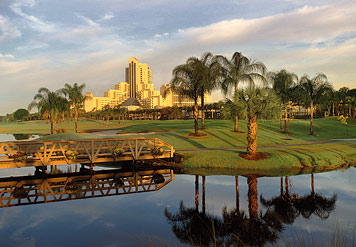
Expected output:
(211, 74)
(314, 89)
(239, 69)
(284, 84)
(259, 103)
(50, 102)
(76, 99)
(186, 82)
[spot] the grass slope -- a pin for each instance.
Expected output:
(220, 136)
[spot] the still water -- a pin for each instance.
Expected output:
(120, 213)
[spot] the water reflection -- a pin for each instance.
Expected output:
(239, 228)
(43, 188)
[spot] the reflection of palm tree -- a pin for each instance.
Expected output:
(193, 227)
(283, 205)
(316, 204)
(239, 230)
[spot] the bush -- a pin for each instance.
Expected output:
(20, 156)
(156, 151)
(71, 155)
(118, 152)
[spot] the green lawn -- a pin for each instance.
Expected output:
(299, 156)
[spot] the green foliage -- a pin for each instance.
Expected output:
(261, 103)
(157, 151)
(21, 114)
(20, 156)
(71, 155)
(118, 152)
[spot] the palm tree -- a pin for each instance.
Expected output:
(211, 74)
(314, 89)
(259, 103)
(186, 82)
(50, 102)
(75, 98)
(239, 69)
(284, 84)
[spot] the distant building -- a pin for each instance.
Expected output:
(173, 99)
(138, 85)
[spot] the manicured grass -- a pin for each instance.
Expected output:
(270, 139)
(42, 127)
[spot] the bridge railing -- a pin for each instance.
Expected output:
(43, 153)
(31, 190)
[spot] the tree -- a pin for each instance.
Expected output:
(259, 103)
(314, 89)
(211, 74)
(284, 84)
(186, 82)
(239, 69)
(21, 114)
(76, 99)
(52, 103)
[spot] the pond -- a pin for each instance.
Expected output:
(117, 207)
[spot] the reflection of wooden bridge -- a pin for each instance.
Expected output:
(17, 191)
(88, 151)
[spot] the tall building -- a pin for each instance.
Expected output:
(138, 90)
(139, 78)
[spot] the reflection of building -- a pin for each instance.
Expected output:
(138, 86)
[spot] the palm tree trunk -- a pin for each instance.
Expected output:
(55, 126)
(311, 117)
(202, 113)
(285, 119)
(237, 193)
(333, 108)
(236, 128)
(252, 135)
(312, 183)
(252, 197)
(76, 121)
(195, 117)
(287, 184)
(197, 192)
(52, 129)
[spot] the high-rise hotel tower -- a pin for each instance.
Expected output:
(139, 77)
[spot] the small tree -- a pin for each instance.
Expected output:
(21, 114)
(259, 103)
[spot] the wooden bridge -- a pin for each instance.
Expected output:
(83, 151)
(17, 191)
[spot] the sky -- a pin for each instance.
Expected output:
(47, 43)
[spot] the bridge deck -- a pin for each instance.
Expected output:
(87, 151)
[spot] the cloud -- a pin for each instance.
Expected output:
(108, 17)
(307, 24)
(6, 56)
(35, 22)
(7, 30)
(161, 35)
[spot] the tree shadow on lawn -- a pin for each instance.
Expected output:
(220, 138)
(182, 138)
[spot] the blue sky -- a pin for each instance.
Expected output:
(52, 42)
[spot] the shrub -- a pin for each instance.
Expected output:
(20, 156)
(71, 155)
(156, 151)
(118, 152)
